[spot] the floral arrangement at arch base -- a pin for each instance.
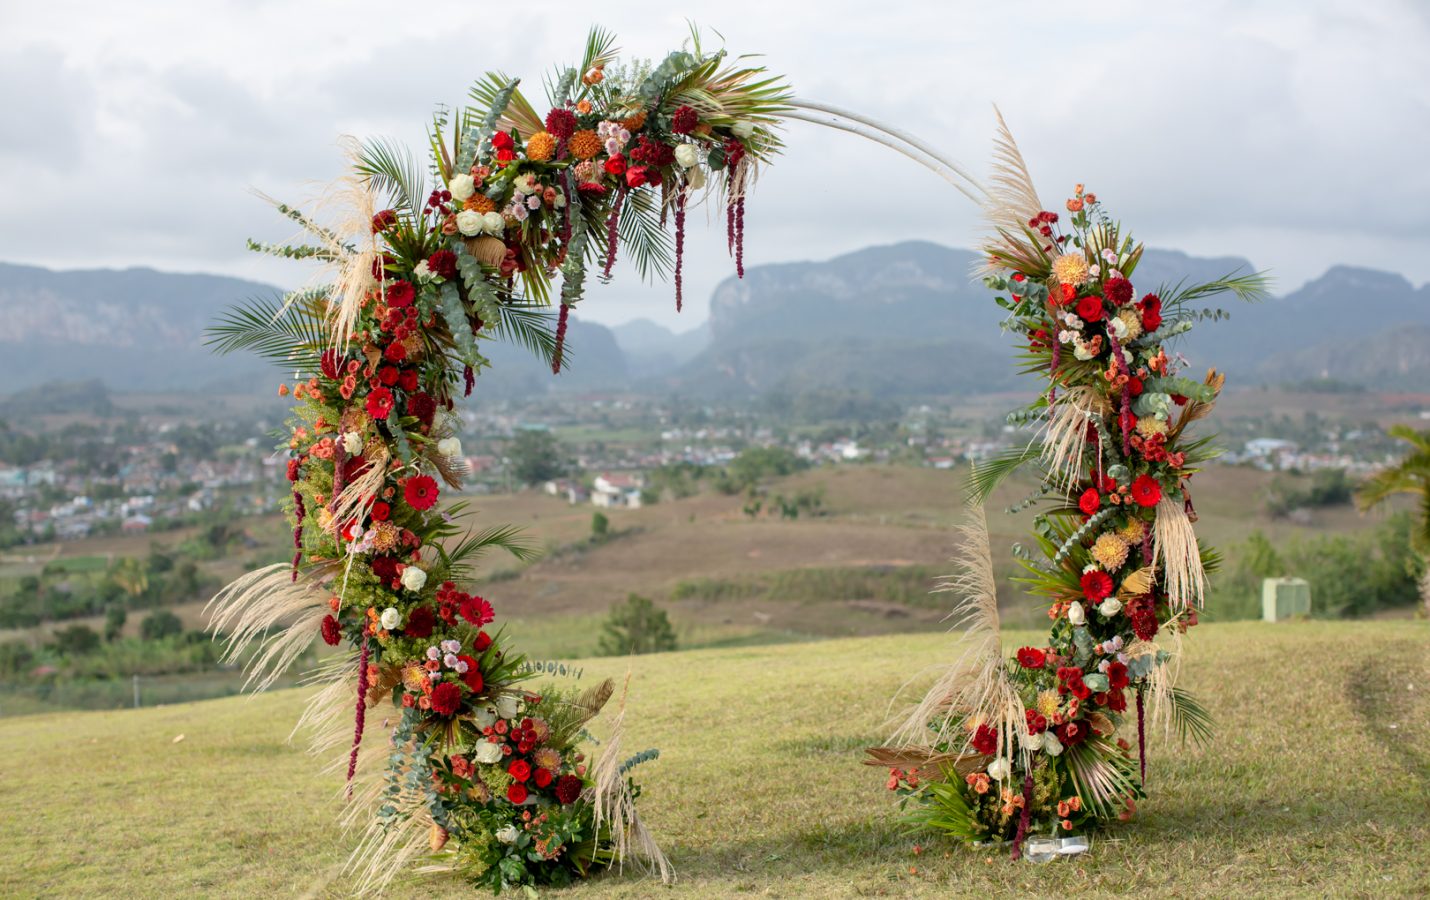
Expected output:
(1053, 741)
(478, 771)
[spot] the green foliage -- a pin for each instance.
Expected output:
(160, 624)
(636, 626)
(75, 640)
(286, 330)
(1410, 476)
(114, 619)
(1327, 487)
(600, 525)
(755, 464)
(536, 456)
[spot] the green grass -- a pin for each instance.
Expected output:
(1315, 785)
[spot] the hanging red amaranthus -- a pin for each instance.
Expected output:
(612, 235)
(560, 339)
(680, 196)
(361, 715)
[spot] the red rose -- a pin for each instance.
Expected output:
(482, 642)
(1031, 658)
(1117, 701)
(331, 632)
(616, 165)
(420, 492)
(379, 403)
(1089, 501)
(568, 788)
(1072, 733)
(1118, 291)
(380, 511)
(1096, 585)
(446, 697)
(1037, 723)
(542, 778)
(384, 220)
(505, 156)
(387, 375)
(443, 263)
(477, 611)
(419, 622)
(1090, 309)
(516, 794)
(1146, 490)
(1135, 386)
(502, 141)
(985, 740)
(1151, 306)
(407, 380)
(636, 176)
(1079, 688)
(473, 675)
(395, 352)
(519, 770)
(1117, 676)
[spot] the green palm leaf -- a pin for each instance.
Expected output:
(392, 169)
(287, 330)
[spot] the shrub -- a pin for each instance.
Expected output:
(636, 626)
(159, 625)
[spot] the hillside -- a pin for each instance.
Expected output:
(1316, 790)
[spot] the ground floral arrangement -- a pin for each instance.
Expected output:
(1052, 743)
(480, 771)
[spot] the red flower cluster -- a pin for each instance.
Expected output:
(384, 220)
(1070, 682)
(332, 633)
(1037, 722)
(1151, 308)
(443, 263)
(985, 740)
(683, 121)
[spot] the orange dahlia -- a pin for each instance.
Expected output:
(540, 146)
(480, 203)
(635, 122)
(584, 144)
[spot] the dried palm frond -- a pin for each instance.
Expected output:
(1065, 435)
(975, 689)
(928, 764)
(1012, 198)
(1174, 545)
(613, 805)
(1138, 583)
(386, 848)
(1101, 775)
(268, 608)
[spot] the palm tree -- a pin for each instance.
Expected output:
(1411, 476)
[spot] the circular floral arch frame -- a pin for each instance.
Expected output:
(493, 239)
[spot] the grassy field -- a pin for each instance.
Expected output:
(1316, 785)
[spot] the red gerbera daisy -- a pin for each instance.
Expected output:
(1096, 585)
(420, 492)
(400, 294)
(1031, 658)
(1146, 490)
(379, 403)
(477, 611)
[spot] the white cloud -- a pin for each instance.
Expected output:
(1290, 133)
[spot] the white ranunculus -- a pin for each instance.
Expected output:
(1031, 742)
(1076, 614)
(469, 222)
(1110, 607)
(462, 187)
(1051, 745)
(488, 754)
(560, 201)
(485, 717)
(352, 443)
(449, 447)
(688, 155)
(391, 618)
(507, 834)
(697, 178)
(999, 769)
(508, 706)
(422, 271)
(413, 578)
(492, 223)
(1117, 327)
(743, 129)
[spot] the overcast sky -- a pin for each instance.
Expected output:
(1292, 133)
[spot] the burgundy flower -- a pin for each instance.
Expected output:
(422, 406)
(1117, 675)
(384, 220)
(420, 622)
(561, 123)
(985, 740)
(331, 632)
(446, 697)
(443, 263)
(568, 788)
(683, 121)
(1118, 291)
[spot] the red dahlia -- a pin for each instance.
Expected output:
(985, 740)
(1096, 585)
(1117, 675)
(331, 632)
(568, 788)
(387, 375)
(1090, 309)
(477, 611)
(420, 622)
(684, 120)
(420, 492)
(1031, 658)
(395, 352)
(443, 263)
(1089, 501)
(1118, 290)
(422, 406)
(379, 402)
(561, 123)
(330, 362)
(446, 697)
(1146, 490)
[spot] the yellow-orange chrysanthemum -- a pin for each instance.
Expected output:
(1071, 268)
(584, 144)
(1151, 426)
(540, 146)
(1110, 551)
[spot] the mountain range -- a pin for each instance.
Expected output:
(901, 321)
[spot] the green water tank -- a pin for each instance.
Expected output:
(1285, 598)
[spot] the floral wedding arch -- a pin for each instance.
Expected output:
(487, 773)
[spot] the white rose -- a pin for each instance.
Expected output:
(1117, 327)
(492, 223)
(1051, 745)
(688, 155)
(697, 178)
(508, 706)
(413, 578)
(469, 222)
(352, 443)
(1076, 614)
(1110, 607)
(507, 834)
(488, 754)
(999, 769)
(462, 187)
(449, 447)
(485, 717)
(391, 618)
(1031, 742)
(743, 129)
